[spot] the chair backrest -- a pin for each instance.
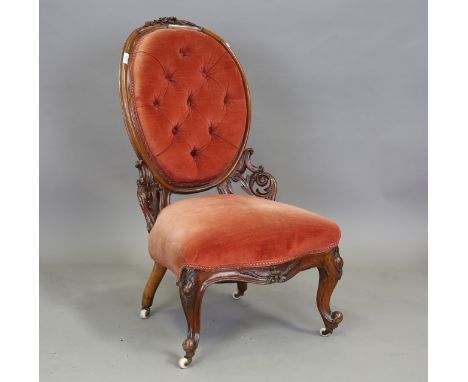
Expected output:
(186, 104)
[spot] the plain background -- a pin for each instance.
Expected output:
(339, 96)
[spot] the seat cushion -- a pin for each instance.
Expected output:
(236, 231)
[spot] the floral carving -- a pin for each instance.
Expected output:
(258, 182)
(170, 20)
(274, 274)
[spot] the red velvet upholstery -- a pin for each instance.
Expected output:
(190, 103)
(236, 231)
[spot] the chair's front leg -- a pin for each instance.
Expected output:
(330, 272)
(152, 285)
(191, 290)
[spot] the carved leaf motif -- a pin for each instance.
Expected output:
(338, 261)
(148, 193)
(275, 274)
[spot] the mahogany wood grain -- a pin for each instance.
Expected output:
(152, 285)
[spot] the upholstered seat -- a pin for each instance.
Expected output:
(235, 231)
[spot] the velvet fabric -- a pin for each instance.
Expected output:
(190, 103)
(236, 231)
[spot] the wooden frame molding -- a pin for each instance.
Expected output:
(193, 284)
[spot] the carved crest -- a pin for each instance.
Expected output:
(170, 20)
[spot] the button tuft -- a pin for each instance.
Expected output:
(169, 77)
(211, 129)
(190, 100)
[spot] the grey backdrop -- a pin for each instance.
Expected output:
(339, 97)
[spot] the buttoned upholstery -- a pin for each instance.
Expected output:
(237, 231)
(190, 104)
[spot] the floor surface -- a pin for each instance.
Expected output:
(90, 329)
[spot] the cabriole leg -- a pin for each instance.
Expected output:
(241, 288)
(152, 284)
(191, 290)
(330, 272)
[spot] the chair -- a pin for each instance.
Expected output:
(186, 106)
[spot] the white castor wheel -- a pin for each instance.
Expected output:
(184, 363)
(324, 332)
(144, 313)
(236, 295)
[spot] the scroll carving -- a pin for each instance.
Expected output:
(170, 20)
(151, 195)
(254, 180)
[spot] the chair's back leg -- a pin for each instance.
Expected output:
(241, 288)
(152, 284)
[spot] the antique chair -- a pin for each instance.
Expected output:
(186, 106)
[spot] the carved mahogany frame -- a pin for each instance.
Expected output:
(153, 193)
